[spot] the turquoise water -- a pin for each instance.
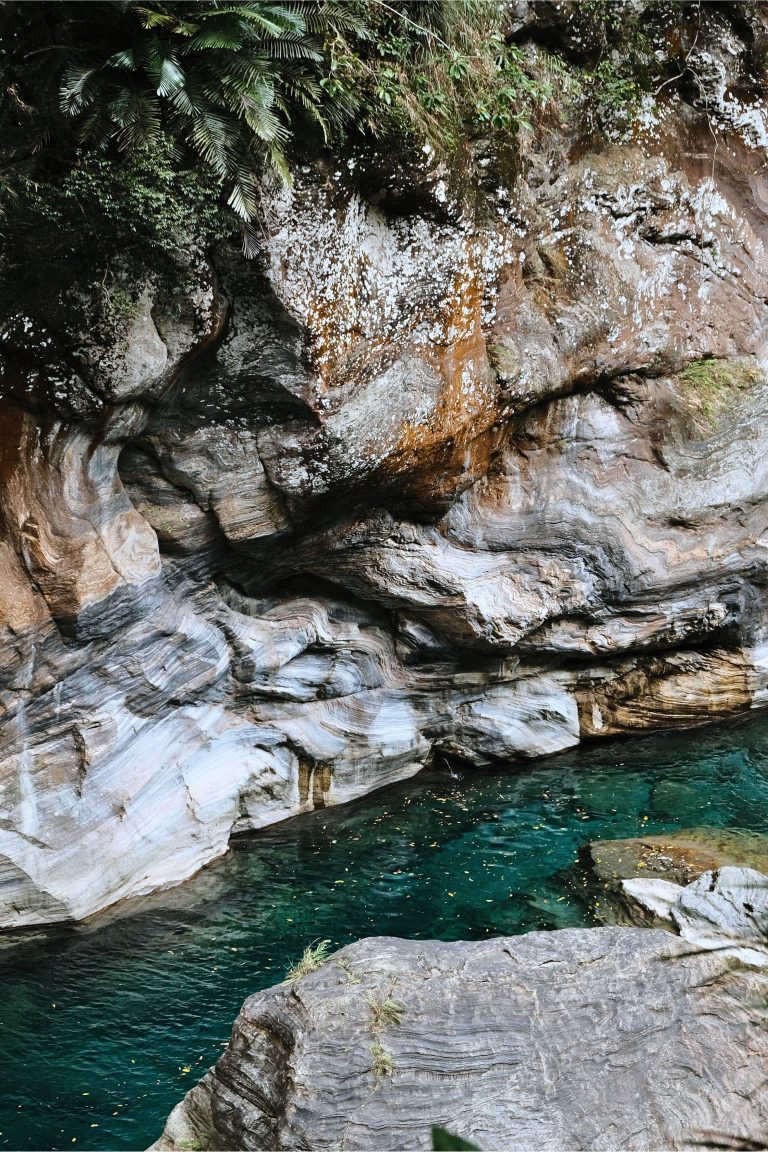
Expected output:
(105, 1027)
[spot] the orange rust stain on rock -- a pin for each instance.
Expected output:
(21, 605)
(665, 692)
(314, 783)
(433, 453)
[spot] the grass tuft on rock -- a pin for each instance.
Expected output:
(386, 1013)
(312, 958)
(381, 1061)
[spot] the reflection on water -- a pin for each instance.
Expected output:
(105, 1027)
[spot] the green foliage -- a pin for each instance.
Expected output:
(381, 1061)
(147, 202)
(445, 1141)
(614, 90)
(712, 387)
(144, 116)
(622, 50)
(386, 1013)
(434, 72)
(175, 91)
(312, 958)
(227, 80)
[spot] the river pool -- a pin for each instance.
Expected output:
(105, 1027)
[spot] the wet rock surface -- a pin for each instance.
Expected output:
(457, 480)
(587, 1039)
(679, 857)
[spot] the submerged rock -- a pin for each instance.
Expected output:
(679, 856)
(576, 1039)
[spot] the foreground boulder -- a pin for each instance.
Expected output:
(577, 1039)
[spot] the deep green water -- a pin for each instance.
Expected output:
(104, 1028)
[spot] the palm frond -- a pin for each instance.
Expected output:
(123, 59)
(78, 89)
(171, 77)
(228, 38)
(153, 18)
(270, 18)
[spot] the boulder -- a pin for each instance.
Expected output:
(576, 1039)
(725, 910)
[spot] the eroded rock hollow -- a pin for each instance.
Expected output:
(471, 461)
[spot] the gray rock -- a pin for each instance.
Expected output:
(578, 1039)
(731, 902)
(717, 910)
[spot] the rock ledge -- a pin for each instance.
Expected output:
(576, 1039)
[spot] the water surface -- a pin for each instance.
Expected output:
(105, 1027)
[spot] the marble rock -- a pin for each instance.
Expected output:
(579, 1039)
(725, 910)
(433, 474)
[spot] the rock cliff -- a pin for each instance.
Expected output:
(591, 1038)
(470, 460)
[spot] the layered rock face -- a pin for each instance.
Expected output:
(467, 463)
(592, 1038)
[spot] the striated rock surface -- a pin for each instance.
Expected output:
(444, 474)
(582, 1039)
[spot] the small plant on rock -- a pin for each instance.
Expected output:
(713, 386)
(381, 1061)
(385, 1013)
(445, 1141)
(312, 958)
